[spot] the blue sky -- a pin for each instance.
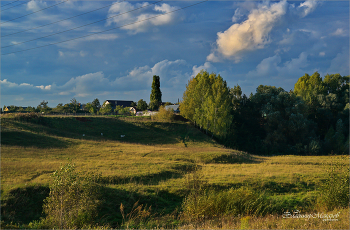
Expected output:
(247, 42)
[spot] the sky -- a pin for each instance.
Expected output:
(110, 50)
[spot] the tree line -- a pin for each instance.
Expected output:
(95, 107)
(312, 119)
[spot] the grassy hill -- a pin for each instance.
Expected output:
(139, 159)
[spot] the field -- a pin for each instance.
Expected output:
(153, 163)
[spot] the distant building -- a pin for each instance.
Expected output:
(115, 103)
(174, 107)
(132, 110)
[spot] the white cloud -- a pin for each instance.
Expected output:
(238, 15)
(254, 32)
(48, 87)
(251, 34)
(340, 64)
(101, 37)
(271, 67)
(135, 16)
(206, 66)
(138, 79)
(11, 88)
(36, 5)
(322, 54)
(339, 32)
(307, 7)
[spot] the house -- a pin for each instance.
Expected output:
(132, 110)
(173, 107)
(115, 103)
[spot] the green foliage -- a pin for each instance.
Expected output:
(43, 107)
(334, 191)
(74, 105)
(93, 107)
(156, 94)
(309, 87)
(207, 102)
(165, 114)
(121, 110)
(141, 105)
(72, 202)
(106, 108)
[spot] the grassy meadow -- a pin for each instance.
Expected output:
(159, 165)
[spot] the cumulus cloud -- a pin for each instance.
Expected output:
(11, 88)
(251, 34)
(340, 64)
(138, 79)
(36, 5)
(254, 32)
(271, 67)
(135, 16)
(206, 66)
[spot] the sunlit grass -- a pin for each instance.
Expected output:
(153, 162)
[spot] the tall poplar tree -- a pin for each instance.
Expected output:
(156, 94)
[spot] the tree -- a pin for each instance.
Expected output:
(93, 107)
(106, 108)
(59, 108)
(43, 107)
(96, 105)
(75, 105)
(207, 102)
(156, 94)
(121, 110)
(141, 105)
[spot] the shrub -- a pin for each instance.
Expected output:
(72, 202)
(29, 117)
(165, 114)
(334, 191)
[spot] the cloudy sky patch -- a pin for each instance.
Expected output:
(247, 42)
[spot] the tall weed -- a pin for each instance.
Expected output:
(334, 191)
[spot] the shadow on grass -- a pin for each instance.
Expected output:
(236, 158)
(150, 179)
(161, 203)
(27, 139)
(140, 131)
(23, 205)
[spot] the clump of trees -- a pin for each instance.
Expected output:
(207, 102)
(311, 119)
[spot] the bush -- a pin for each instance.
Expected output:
(72, 202)
(165, 114)
(29, 117)
(334, 191)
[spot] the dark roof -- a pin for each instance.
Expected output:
(120, 102)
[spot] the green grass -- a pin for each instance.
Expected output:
(151, 164)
